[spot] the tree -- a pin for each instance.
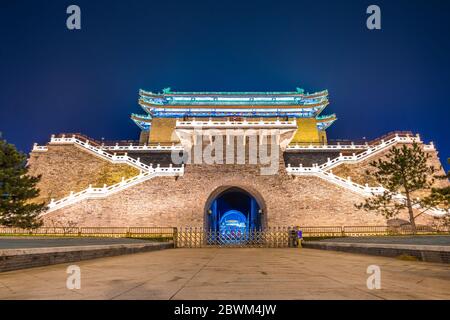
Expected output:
(17, 189)
(440, 197)
(404, 171)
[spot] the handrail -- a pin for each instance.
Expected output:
(170, 232)
(329, 176)
(392, 134)
(145, 147)
(371, 151)
(37, 148)
(133, 147)
(405, 138)
(116, 147)
(328, 147)
(103, 154)
(79, 136)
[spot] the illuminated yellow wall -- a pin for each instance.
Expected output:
(323, 137)
(161, 131)
(307, 132)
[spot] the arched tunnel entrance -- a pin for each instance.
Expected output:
(233, 210)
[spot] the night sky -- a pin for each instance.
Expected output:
(54, 80)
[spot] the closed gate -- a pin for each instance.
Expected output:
(275, 237)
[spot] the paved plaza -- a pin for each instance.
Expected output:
(247, 273)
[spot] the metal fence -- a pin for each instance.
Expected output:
(163, 233)
(195, 237)
(364, 231)
(274, 237)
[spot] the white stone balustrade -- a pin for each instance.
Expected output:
(144, 147)
(173, 147)
(328, 147)
(371, 151)
(92, 193)
(37, 148)
(352, 146)
(99, 152)
(429, 147)
(236, 124)
(301, 169)
(329, 176)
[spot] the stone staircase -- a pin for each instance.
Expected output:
(324, 171)
(105, 191)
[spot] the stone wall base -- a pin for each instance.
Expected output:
(14, 259)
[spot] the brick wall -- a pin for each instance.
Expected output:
(15, 259)
(170, 201)
(66, 168)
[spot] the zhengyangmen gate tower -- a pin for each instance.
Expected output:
(219, 160)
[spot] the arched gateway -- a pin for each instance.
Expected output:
(231, 209)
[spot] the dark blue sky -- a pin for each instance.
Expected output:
(54, 80)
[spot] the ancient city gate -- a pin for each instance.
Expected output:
(235, 217)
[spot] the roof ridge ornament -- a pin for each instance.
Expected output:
(167, 90)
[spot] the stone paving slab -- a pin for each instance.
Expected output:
(238, 273)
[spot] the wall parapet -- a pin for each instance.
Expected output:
(236, 124)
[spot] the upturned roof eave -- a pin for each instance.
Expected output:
(228, 94)
(231, 105)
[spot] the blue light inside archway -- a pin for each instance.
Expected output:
(233, 222)
(234, 211)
